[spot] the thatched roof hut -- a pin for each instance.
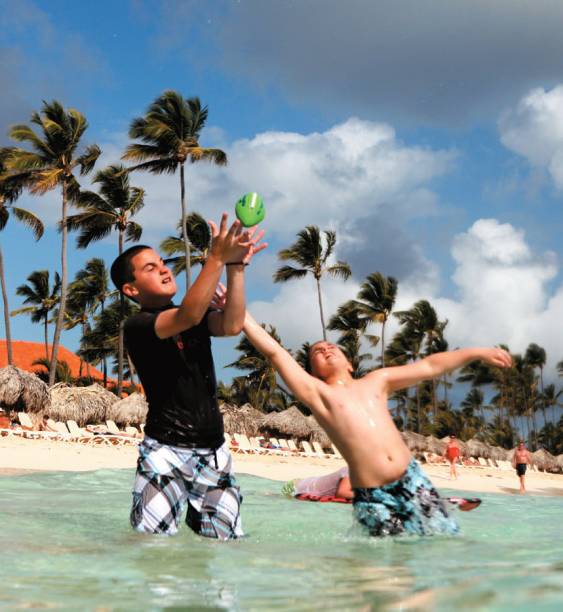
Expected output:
(477, 448)
(318, 434)
(131, 410)
(22, 391)
(544, 460)
(416, 442)
(498, 453)
(85, 405)
(244, 419)
(291, 422)
(433, 445)
(559, 462)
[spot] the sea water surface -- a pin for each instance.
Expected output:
(66, 543)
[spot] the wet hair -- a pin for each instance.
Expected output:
(122, 270)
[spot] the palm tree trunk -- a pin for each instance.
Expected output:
(131, 370)
(184, 229)
(46, 332)
(383, 344)
(543, 407)
(418, 410)
(62, 304)
(121, 324)
(105, 359)
(6, 311)
(321, 308)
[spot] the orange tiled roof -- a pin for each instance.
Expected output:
(25, 353)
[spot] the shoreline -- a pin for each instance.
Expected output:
(21, 456)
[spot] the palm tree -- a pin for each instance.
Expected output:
(169, 134)
(420, 324)
(111, 209)
(42, 299)
(310, 253)
(9, 193)
(472, 404)
(261, 374)
(375, 302)
(87, 292)
(51, 164)
(102, 341)
(199, 236)
(347, 322)
(535, 357)
(302, 356)
(560, 368)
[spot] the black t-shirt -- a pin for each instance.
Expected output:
(178, 376)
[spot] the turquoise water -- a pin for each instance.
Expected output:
(65, 543)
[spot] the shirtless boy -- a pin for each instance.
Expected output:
(520, 461)
(391, 493)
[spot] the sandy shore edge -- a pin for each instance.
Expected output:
(19, 456)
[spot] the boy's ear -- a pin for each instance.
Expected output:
(130, 290)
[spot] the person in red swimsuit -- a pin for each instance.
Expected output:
(452, 455)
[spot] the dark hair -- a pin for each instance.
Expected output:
(122, 271)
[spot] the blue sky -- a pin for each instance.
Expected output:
(428, 134)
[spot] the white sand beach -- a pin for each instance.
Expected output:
(19, 455)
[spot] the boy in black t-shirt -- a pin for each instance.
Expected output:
(183, 458)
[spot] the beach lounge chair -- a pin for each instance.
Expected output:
(244, 445)
(118, 436)
(307, 450)
(86, 437)
(284, 445)
(277, 447)
(482, 461)
(336, 452)
(320, 451)
(28, 428)
(293, 447)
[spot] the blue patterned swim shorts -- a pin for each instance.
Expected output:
(169, 477)
(410, 505)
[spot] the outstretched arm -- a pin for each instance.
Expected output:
(304, 386)
(229, 321)
(435, 365)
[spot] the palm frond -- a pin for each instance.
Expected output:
(286, 273)
(30, 220)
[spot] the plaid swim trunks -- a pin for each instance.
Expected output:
(169, 477)
(410, 505)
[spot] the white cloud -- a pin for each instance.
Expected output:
(502, 296)
(315, 178)
(534, 129)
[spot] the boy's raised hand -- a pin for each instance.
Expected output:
(234, 245)
(497, 357)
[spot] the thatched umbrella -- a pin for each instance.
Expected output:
(544, 460)
(433, 445)
(244, 419)
(85, 405)
(416, 442)
(559, 462)
(318, 434)
(498, 453)
(131, 410)
(291, 422)
(477, 448)
(23, 391)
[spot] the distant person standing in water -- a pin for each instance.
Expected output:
(452, 455)
(520, 461)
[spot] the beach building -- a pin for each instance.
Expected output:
(25, 353)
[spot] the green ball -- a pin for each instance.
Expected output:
(250, 209)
